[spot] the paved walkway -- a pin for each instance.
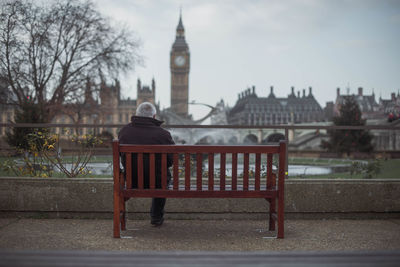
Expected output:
(73, 258)
(204, 235)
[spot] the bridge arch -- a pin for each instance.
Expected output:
(250, 139)
(274, 138)
(205, 140)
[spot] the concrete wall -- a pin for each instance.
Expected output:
(91, 197)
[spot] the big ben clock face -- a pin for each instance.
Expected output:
(180, 61)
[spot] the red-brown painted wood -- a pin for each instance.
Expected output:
(222, 171)
(187, 171)
(147, 193)
(199, 149)
(210, 171)
(116, 193)
(140, 170)
(128, 174)
(176, 171)
(281, 185)
(234, 171)
(164, 171)
(246, 172)
(152, 171)
(122, 207)
(269, 191)
(199, 173)
(257, 174)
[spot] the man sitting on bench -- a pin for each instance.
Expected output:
(144, 129)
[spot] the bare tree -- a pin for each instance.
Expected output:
(47, 52)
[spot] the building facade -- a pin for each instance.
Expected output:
(391, 107)
(180, 66)
(368, 106)
(253, 110)
(110, 108)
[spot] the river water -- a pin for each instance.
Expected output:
(294, 170)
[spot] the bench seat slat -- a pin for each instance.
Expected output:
(200, 194)
(194, 187)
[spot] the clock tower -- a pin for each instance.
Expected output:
(180, 65)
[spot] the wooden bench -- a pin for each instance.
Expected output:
(251, 183)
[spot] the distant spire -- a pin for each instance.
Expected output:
(180, 24)
(271, 94)
(180, 43)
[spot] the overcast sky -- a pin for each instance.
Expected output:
(236, 44)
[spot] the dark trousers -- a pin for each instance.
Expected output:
(157, 208)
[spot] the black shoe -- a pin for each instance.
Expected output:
(157, 222)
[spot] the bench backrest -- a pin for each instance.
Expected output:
(257, 176)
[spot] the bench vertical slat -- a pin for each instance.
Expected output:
(187, 171)
(222, 171)
(281, 187)
(128, 163)
(246, 172)
(269, 171)
(176, 171)
(152, 171)
(257, 174)
(140, 170)
(199, 174)
(116, 197)
(234, 171)
(164, 171)
(211, 171)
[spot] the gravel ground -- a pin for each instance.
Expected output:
(199, 235)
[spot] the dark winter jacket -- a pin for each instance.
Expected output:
(146, 131)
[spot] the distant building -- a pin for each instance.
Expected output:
(390, 106)
(367, 104)
(219, 116)
(329, 110)
(109, 109)
(253, 110)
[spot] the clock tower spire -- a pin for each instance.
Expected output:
(180, 66)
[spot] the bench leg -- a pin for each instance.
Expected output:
(281, 206)
(117, 218)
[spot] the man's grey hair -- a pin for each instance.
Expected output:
(146, 109)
